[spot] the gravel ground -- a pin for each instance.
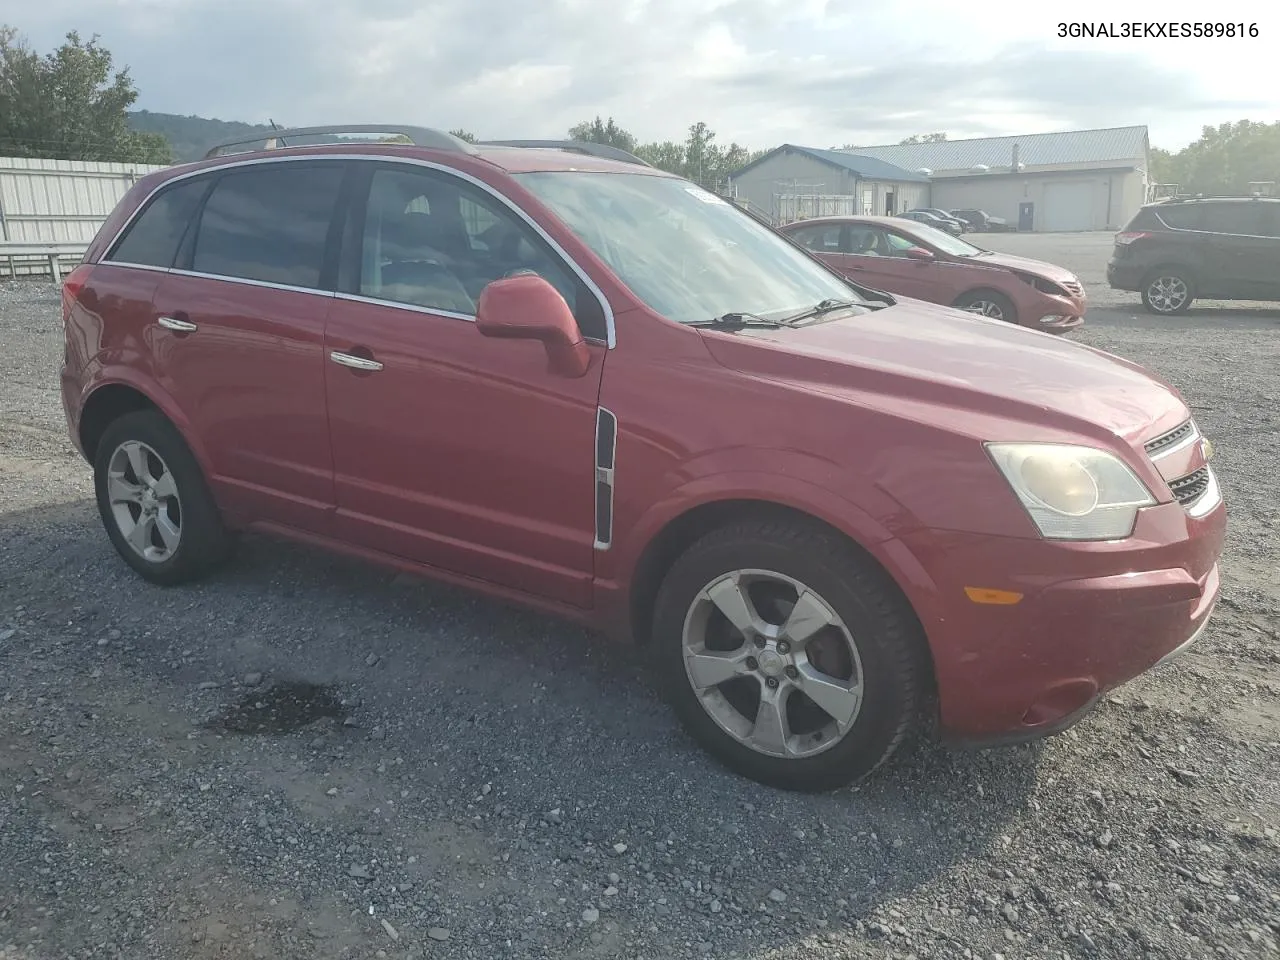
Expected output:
(432, 775)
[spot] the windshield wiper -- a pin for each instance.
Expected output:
(735, 321)
(830, 305)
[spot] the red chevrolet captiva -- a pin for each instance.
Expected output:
(554, 374)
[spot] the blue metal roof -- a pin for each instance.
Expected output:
(1034, 150)
(866, 168)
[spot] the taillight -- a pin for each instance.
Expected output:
(1124, 239)
(72, 286)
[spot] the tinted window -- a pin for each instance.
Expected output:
(269, 223)
(154, 236)
(821, 239)
(1144, 219)
(1183, 216)
(435, 241)
(1243, 218)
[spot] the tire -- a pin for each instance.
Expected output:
(988, 303)
(185, 537)
(775, 561)
(1168, 291)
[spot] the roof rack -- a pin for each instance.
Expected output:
(417, 136)
(602, 150)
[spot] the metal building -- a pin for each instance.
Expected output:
(1070, 181)
(792, 183)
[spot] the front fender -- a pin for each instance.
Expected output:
(876, 522)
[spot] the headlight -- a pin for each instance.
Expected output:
(1071, 492)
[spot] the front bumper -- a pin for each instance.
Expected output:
(1092, 616)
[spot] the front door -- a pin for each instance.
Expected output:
(878, 259)
(452, 449)
(239, 339)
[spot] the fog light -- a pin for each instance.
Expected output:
(1052, 319)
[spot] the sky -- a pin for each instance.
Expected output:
(759, 72)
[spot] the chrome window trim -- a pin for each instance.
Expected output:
(610, 340)
(411, 307)
(247, 281)
(134, 266)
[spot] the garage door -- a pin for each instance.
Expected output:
(1067, 206)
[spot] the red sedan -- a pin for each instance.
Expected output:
(915, 260)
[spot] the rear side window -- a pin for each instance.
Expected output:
(823, 239)
(1183, 216)
(1242, 218)
(270, 223)
(152, 239)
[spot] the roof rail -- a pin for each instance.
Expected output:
(602, 150)
(417, 136)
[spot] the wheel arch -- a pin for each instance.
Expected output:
(109, 400)
(893, 562)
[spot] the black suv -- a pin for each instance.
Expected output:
(1222, 248)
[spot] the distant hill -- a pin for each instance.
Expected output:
(191, 137)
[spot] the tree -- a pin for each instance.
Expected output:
(925, 138)
(69, 104)
(1224, 161)
(601, 131)
(464, 135)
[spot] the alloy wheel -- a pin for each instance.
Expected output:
(772, 663)
(144, 501)
(1167, 294)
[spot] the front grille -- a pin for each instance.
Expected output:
(1188, 489)
(1073, 288)
(1167, 440)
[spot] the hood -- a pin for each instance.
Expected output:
(1026, 265)
(962, 371)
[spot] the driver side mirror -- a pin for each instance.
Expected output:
(527, 307)
(919, 253)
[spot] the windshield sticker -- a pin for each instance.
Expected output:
(704, 195)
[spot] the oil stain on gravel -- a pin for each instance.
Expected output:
(282, 708)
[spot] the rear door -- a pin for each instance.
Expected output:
(1241, 259)
(238, 327)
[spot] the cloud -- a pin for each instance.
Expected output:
(760, 72)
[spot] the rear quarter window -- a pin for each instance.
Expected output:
(1183, 216)
(152, 238)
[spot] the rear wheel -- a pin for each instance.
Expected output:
(1168, 291)
(989, 303)
(788, 655)
(154, 502)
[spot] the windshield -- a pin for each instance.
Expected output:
(945, 241)
(687, 253)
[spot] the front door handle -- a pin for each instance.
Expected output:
(356, 363)
(173, 323)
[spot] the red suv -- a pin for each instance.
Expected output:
(569, 380)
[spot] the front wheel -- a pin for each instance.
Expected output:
(989, 303)
(1168, 291)
(788, 655)
(154, 501)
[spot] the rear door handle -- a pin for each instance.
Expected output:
(356, 363)
(173, 323)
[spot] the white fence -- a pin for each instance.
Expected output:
(52, 208)
(791, 207)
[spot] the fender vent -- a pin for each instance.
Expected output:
(606, 451)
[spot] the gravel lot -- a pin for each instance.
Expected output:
(465, 781)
